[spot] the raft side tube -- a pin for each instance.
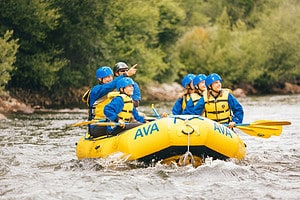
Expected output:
(224, 140)
(145, 139)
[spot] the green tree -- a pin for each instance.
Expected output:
(38, 59)
(217, 49)
(80, 34)
(8, 50)
(279, 47)
(137, 34)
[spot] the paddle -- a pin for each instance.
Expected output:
(97, 123)
(155, 111)
(263, 128)
(102, 123)
(107, 123)
(87, 122)
(264, 122)
(261, 131)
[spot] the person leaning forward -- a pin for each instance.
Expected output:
(100, 95)
(121, 68)
(219, 104)
(121, 109)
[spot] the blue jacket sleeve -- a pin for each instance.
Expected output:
(112, 109)
(177, 108)
(137, 116)
(101, 90)
(189, 108)
(236, 108)
(136, 96)
(199, 107)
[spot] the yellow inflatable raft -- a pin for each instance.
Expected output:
(182, 139)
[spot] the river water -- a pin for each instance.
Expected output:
(38, 161)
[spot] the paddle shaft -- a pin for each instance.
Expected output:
(155, 111)
(96, 122)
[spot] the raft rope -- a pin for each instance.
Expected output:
(186, 117)
(183, 159)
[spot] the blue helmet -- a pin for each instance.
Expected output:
(212, 78)
(103, 72)
(187, 79)
(124, 82)
(198, 79)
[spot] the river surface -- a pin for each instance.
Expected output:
(38, 161)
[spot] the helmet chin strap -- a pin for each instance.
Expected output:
(198, 89)
(212, 90)
(215, 91)
(101, 80)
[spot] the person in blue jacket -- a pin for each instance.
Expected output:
(180, 104)
(219, 104)
(97, 97)
(200, 88)
(121, 109)
(121, 68)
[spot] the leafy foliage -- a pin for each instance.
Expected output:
(8, 49)
(38, 59)
(62, 42)
(280, 47)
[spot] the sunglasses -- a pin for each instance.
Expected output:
(123, 70)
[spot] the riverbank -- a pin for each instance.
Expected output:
(18, 100)
(9, 104)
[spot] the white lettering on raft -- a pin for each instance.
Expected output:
(146, 130)
(222, 129)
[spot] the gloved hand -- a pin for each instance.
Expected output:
(164, 114)
(121, 123)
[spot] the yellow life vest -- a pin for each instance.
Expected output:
(86, 97)
(98, 106)
(185, 99)
(218, 109)
(195, 97)
(126, 113)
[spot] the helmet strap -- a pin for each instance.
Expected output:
(212, 90)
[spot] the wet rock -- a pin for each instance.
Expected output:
(9, 104)
(172, 91)
(164, 92)
(291, 88)
(247, 89)
(287, 88)
(2, 117)
(239, 92)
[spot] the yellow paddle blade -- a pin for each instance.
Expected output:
(250, 131)
(269, 130)
(271, 123)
